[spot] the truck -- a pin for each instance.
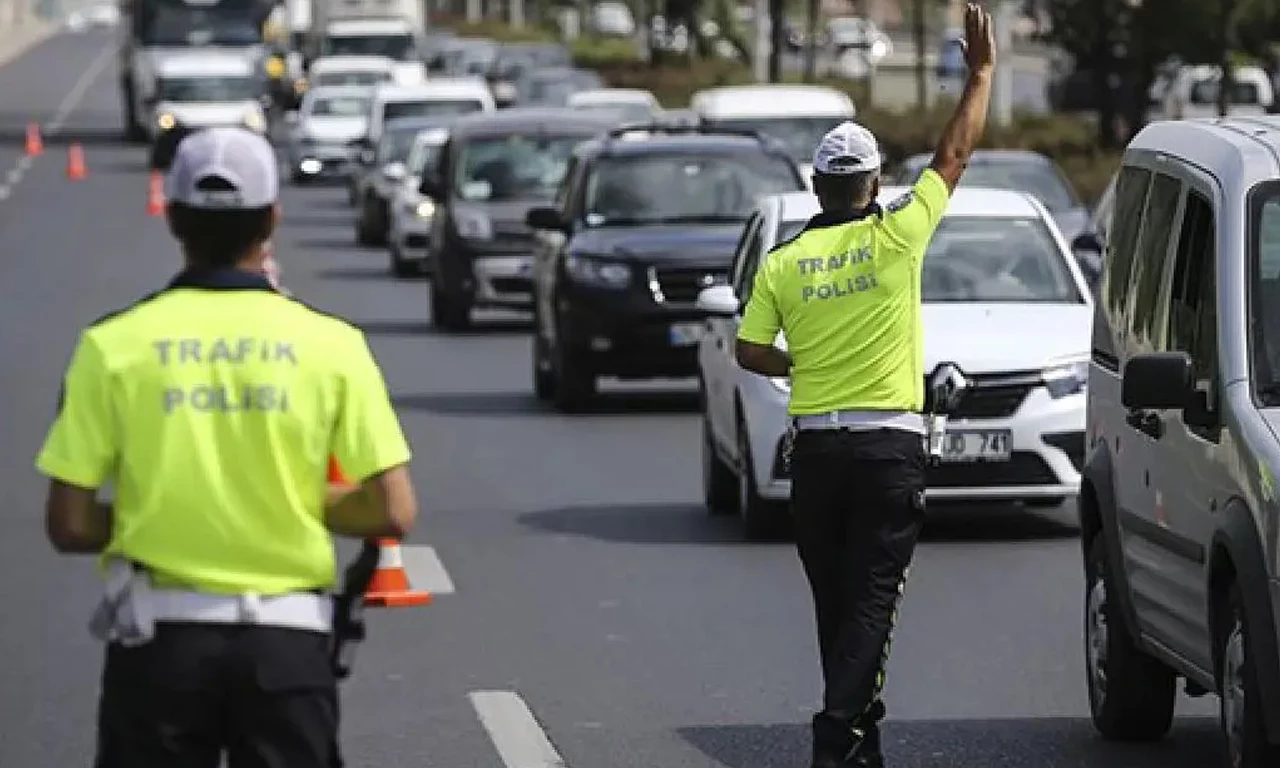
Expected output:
(391, 28)
(155, 30)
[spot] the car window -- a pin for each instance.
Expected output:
(211, 89)
(988, 259)
(394, 146)
(1242, 93)
(1265, 295)
(515, 167)
(1131, 197)
(339, 106)
(430, 108)
(1040, 180)
(398, 47)
(352, 78)
(666, 188)
(1103, 212)
(424, 155)
(1193, 311)
(1152, 254)
(741, 256)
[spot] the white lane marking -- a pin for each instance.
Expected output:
(81, 87)
(520, 741)
(4, 193)
(424, 569)
(13, 176)
(24, 163)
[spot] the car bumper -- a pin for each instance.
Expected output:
(319, 163)
(1047, 441)
(632, 339)
(411, 236)
(503, 280)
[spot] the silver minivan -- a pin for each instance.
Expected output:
(1179, 506)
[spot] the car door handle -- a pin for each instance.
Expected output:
(1146, 422)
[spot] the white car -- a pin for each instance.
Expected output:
(632, 105)
(412, 213)
(1003, 300)
(329, 119)
(366, 71)
(207, 89)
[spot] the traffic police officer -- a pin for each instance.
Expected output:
(212, 407)
(846, 294)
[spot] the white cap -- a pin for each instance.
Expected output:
(240, 158)
(845, 150)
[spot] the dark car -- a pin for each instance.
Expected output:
(377, 173)
(552, 87)
(646, 220)
(515, 60)
(1021, 171)
(494, 168)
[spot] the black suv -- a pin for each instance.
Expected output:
(647, 217)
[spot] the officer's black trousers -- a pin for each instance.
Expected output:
(264, 696)
(857, 499)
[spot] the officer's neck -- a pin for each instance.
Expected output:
(254, 262)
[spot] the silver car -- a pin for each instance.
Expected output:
(322, 131)
(412, 213)
(1179, 503)
(383, 171)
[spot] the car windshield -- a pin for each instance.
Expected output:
(192, 89)
(366, 78)
(556, 89)
(394, 146)
(431, 108)
(1265, 302)
(398, 47)
(798, 135)
(340, 106)
(989, 259)
(1242, 93)
(685, 187)
(1038, 179)
(516, 167)
(184, 26)
(425, 154)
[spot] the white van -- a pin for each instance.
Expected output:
(795, 115)
(435, 98)
(206, 88)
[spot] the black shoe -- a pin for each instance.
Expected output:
(838, 743)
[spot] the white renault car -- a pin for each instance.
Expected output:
(1003, 300)
(409, 239)
(321, 131)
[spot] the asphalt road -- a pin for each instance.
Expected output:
(588, 587)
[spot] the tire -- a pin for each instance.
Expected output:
(1131, 694)
(544, 380)
(447, 313)
(400, 267)
(365, 234)
(762, 519)
(719, 483)
(575, 384)
(1241, 713)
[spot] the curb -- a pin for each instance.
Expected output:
(15, 42)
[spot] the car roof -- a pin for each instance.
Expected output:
(398, 124)
(340, 91)
(539, 118)
(1239, 151)
(442, 88)
(641, 143)
(922, 159)
(352, 64)
(204, 64)
(732, 101)
(976, 202)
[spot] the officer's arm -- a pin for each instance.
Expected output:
(370, 447)
(79, 454)
(970, 119)
(761, 322)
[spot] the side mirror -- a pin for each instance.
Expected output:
(546, 219)
(430, 187)
(1161, 380)
(1087, 242)
(291, 118)
(395, 171)
(718, 300)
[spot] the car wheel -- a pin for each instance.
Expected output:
(1131, 694)
(544, 381)
(1240, 699)
(762, 519)
(447, 312)
(575, 384)
(399, 266)
(719, 483)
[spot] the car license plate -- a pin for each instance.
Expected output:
(977, 445)
(685, 334)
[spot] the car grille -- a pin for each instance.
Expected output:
(993, 396)
(1022, 468)
(681, 285)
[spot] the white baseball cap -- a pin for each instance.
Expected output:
(238, 158)
(847, 149)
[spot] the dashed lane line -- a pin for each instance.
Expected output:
(425, 571)
(520, 740)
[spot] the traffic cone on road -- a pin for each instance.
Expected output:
(35, 145)
(155, 195)
(390, 585)
(76, 169)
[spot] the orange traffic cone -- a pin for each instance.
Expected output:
(76, 169)
(35, 145)
(335, 473)
(155, 195)
(389, 587)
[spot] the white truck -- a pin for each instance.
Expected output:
(156, 30)
(391, 28)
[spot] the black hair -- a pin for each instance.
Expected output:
(219, 238)
(845, 191)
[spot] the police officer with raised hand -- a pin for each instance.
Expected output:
(212, 407)
(845, 292)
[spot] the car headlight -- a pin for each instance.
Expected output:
(473, 225)
(166, 121)
(253, 120)
(423, 209)
(604, 274)
(1065, 379)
